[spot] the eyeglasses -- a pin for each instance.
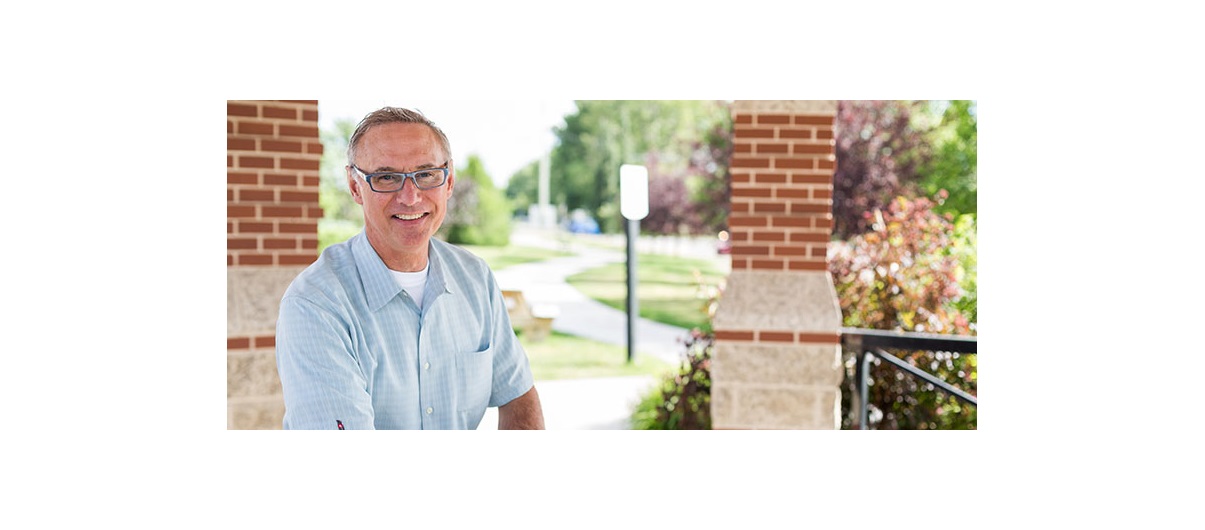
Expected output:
(389, 182)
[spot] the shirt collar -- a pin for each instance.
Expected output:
(379, 286)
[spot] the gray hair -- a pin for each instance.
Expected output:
(394, 115)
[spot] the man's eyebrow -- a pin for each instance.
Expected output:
(391, 169)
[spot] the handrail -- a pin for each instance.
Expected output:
(869, 343)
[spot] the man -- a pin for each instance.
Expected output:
(393, 329)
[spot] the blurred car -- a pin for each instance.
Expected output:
(580, 222)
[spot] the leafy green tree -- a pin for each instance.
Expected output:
(341, 216)
(478, 213)
(953, 157)
(523, 188)
(602, 135)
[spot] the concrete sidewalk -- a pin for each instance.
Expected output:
(604, 403)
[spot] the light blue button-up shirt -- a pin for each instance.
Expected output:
(353, 349)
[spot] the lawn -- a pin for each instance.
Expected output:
(669, 289)
(562, 356)
(502, 257)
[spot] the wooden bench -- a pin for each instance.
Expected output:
(535, 325)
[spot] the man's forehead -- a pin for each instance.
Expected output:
(402, 140)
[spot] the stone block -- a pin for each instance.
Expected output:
(251, 373)
(777, 364)
(256, 414)
(253, 298)
(779, 300)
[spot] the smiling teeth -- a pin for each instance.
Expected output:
(405, 217)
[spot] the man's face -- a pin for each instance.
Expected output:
(400, 224)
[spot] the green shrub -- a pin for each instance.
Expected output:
(681, 400)
(908, 274)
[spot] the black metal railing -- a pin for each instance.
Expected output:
(871, 343)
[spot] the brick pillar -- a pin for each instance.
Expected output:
(777, 358)
(272, 157)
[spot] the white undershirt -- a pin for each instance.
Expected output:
(414, 283)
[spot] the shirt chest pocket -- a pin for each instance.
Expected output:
(475, 379)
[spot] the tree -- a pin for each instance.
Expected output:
(878, 149)
(602, 135)
(953, 160)
(478, 213)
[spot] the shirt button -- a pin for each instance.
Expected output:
(426, 366)
(430, 410)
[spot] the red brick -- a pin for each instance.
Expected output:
(256, 161)
(773, 119)
(235, 177)
(240, 144)
(308, 131)
(309, 182)
(240, 343)
(742, 148)
(255, 228)
(810, 237)
(245, 127)
(771, 178)
(742, 119)
(309, 243)
(229, 127)
(293, 163)
(806, 208)
(267, 341)
(304, 227)
(733, 335)
(825, 164)
(282, 211)
(824, 134)
(241, 243)
(277, 244)
(752, 192)
(808, 265)
(795, 163)
(241, 109)
(750, 161)
(296, 259)
(298, 196)
(792, 193)
(764, 148)
(795, 134)
(279, 112)
(314, 212)
(309, 115)
(766, 264)
(776, 336)
(826, 338)
(812, 149)
(745, 220)
(785, 251)
(280, 146)
(811, 178)
(822, 193)
(239, 211)
(750, 250)
(313, 148)
(741, 177)
(769, 207)
(280, 179)
(790, 221)
(254, 259)
(814, 120)
(769, 235)
(245, 195)
(741, 132)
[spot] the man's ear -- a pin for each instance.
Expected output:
(353, 185)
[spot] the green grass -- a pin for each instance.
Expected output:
(562, 356)
(503, 257)
(667, 289)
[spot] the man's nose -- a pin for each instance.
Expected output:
(409, 194)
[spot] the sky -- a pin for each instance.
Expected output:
(507, 135)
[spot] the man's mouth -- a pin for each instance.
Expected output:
(409, 217)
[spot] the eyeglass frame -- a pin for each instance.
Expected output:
(411, 175)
